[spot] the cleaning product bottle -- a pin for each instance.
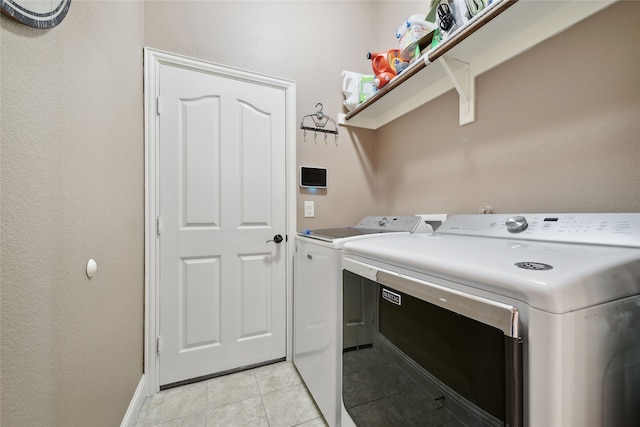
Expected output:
(367, 87)
(382, 79)
(351, 89)
(356, 88)
(386, 65)
(383, 62)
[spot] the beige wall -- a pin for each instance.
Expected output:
(72, 189)
(557, 129)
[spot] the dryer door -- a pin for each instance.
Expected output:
(463, 350)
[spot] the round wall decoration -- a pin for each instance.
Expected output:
(37, 13)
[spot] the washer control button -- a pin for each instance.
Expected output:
(516, 224)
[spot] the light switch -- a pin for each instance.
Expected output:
(309, 209)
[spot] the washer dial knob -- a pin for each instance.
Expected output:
(516, 224)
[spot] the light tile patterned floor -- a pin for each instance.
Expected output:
(269, 396)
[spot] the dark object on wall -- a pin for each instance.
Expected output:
(41, 14)
(318, 123)
(313, 177)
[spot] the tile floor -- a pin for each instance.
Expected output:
(269, 396)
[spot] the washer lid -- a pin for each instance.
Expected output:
(555, 277)
(330, 234)
(367, 225)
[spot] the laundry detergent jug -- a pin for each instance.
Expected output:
(384, 62)
(386, 65)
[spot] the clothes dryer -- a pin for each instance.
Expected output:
(520, 320)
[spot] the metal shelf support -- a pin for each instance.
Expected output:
(464, 82)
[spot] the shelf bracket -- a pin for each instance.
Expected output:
(459, 73)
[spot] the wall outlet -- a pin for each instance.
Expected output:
(309, 209)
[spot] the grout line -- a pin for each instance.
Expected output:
(209, 383)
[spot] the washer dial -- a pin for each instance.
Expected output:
(516, 224)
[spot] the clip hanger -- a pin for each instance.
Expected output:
(319, 120)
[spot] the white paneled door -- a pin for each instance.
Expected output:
(221, 198)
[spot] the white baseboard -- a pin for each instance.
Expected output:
(131, 416)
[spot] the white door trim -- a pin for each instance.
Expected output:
(153, 58)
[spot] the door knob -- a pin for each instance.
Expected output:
(277, 238)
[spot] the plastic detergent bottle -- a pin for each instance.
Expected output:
(385, 62)
(382, 79)
(356, 88)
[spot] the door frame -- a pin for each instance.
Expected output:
(153, 58)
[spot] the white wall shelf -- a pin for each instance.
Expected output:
(501, 32)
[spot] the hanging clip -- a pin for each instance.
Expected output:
(320, 121)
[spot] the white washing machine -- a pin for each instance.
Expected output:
(529, 320)
(317, 294)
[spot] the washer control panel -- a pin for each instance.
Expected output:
(616, 229)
